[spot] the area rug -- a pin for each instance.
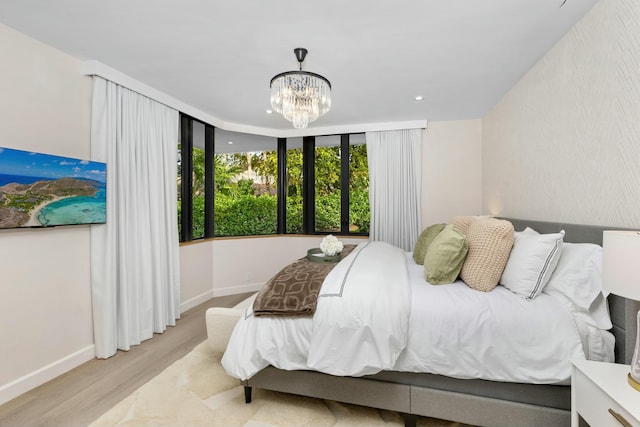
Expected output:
(196, 391)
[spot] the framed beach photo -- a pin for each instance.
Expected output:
(41, 190)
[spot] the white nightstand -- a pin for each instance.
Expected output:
(600, 390)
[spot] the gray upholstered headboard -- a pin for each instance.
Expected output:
(623, 311)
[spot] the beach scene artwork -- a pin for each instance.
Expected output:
(41, 190)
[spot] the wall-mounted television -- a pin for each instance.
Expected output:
(41, 190)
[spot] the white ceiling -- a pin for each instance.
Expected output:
(219, 56)
(240, 142)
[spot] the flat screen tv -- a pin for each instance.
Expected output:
(41, 190)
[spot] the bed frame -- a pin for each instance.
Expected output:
(475, 402)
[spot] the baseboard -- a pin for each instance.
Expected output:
(34, 379)
(189, 304)
(220, 292)
(232, 290)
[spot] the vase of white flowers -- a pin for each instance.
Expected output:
(331, 246)
(329, 250)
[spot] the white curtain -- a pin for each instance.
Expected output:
(395, 173)
(135, 271)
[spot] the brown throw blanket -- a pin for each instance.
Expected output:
(293, 291)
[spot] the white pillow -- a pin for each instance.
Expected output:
(532, 261)
(577, 281)
(530, 231)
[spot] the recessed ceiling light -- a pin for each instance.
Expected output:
(419, 98)
(268, 111)
(229, 142)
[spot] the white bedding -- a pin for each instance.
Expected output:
(498, 335)
(452, 330)
(360, 326)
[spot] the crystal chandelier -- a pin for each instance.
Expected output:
(300, 96)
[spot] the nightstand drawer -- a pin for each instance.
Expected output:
(593, 404)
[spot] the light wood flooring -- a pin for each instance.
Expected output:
(82, 395)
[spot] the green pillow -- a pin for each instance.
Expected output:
(424, 240)
(445, 256)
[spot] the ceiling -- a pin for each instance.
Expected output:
(218, 56)
(240, 142)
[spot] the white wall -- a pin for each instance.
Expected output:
(451, 170)
(564, 143)
(45, 298)
(231, 266)
(196, 273)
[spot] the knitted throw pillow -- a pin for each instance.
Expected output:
(490, 241)
(462, 223)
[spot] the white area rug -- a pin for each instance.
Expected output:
(196, 391)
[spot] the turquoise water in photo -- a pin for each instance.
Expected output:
(76, 210)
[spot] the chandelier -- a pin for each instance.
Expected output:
(300, 96)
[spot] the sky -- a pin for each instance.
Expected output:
(18, 162)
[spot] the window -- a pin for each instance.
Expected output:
(198, 180)
(359, 207)
(243, 184)
(341, 179)
(294, 181)
(245, 189)
(327, 162)
(195, 194)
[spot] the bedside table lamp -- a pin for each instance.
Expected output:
(621, 276)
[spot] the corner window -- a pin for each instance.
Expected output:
(246, 185)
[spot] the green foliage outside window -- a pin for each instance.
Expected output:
(244, 206)
(245, 215)
(294, 214)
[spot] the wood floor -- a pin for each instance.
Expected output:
(82, 395)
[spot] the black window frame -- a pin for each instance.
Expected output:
(186, 170)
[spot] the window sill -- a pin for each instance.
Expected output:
(269, 236)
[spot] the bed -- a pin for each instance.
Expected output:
(455, 397)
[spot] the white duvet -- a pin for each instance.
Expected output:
(388, 318)
(360, 326)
